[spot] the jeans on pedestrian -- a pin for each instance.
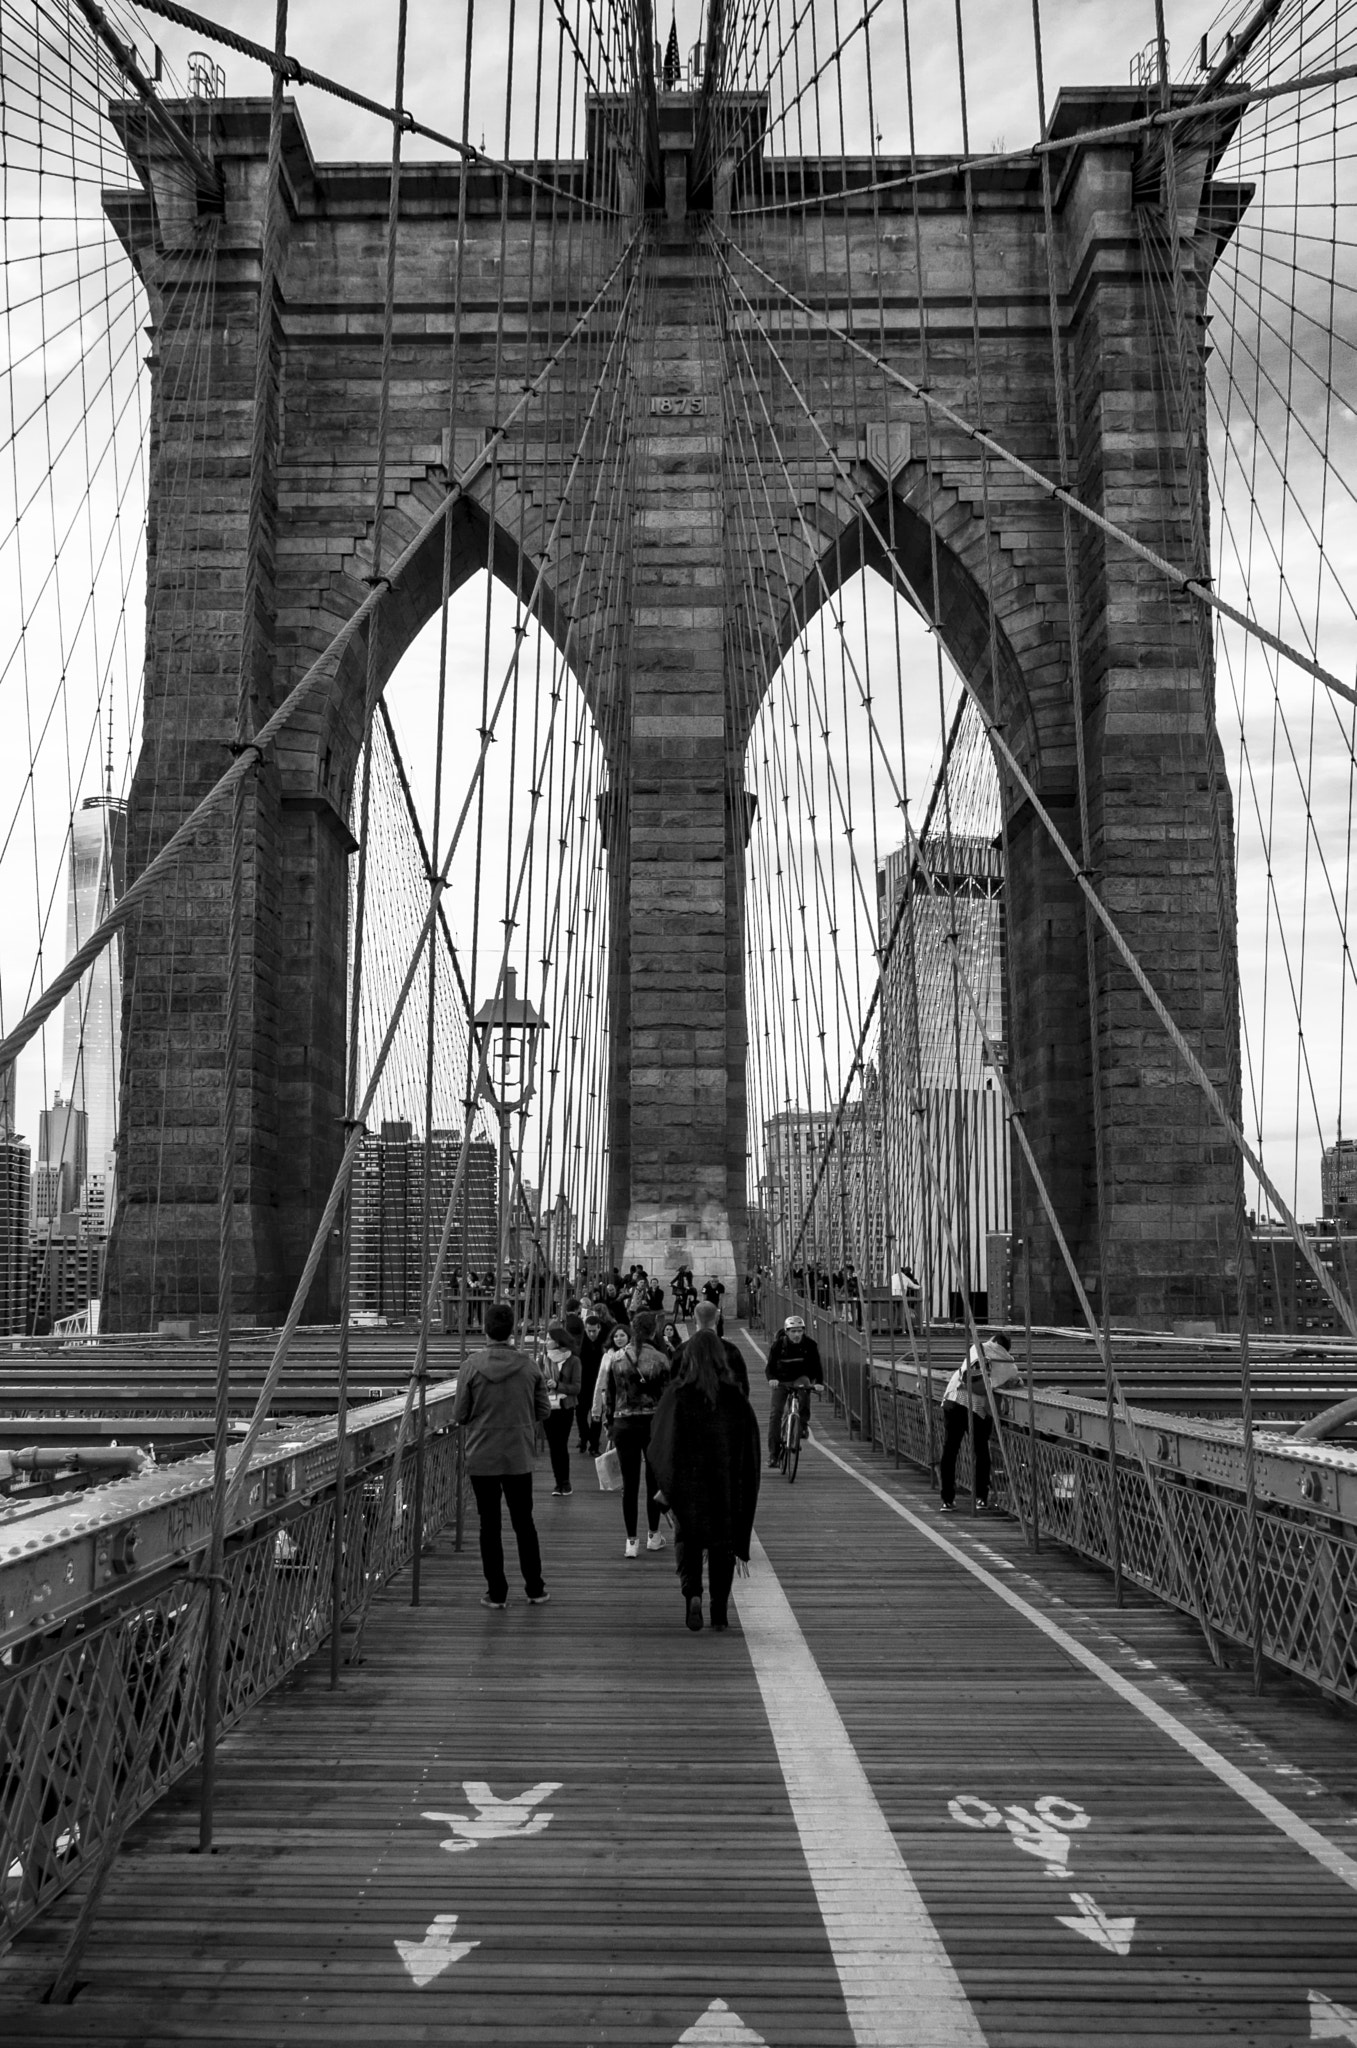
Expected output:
(631, 1435)
(515, 1489)
(781, 1389)
(720, 1571)
(955, 1430)
(558, 1426)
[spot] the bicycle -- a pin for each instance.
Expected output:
(790, 1456)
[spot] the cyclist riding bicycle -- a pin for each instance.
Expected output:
(792, 1356)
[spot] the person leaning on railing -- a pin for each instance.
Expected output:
(964, 1398)
(792, 1356)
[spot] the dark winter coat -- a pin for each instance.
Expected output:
(739, 1371)
(592, 1350)
(794, 1361)
(707, 1462)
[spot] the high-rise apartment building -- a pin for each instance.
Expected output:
(13, 1233)
(821, 1193)
(389, 1230)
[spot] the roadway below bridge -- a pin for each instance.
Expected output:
(927, 1790)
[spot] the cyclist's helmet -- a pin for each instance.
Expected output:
(795, 1323)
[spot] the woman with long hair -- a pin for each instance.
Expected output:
(705, 1454)
(632, 1378)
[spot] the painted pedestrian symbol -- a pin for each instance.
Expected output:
(719, 2027)
(1329, 2021)
(1046, 1830)
(494, 1819)
(427, 1959)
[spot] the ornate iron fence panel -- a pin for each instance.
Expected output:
(1183, 1537)
(75, 1695)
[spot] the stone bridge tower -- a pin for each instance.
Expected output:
(678, 818)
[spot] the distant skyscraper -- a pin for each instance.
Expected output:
(13, 1235)
(946, 1133)
(63, 1152)
(92, 1039)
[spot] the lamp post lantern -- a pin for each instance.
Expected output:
(506, 1030)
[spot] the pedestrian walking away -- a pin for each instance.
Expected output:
(792, 1355)
(561, 1373)
(501, 1398)
(704, 1448)
(592, 1346)
(966, 1413)
(705, 1318)
(634, 1375)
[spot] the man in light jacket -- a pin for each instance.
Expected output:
(501, 1398)
(964, 1398)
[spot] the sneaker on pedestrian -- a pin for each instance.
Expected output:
(654, 1541)
(694, 1614)
(719, 1621)
(633, 1548)
(773, 1461)
(566, 1492)
(948, 1507)
(558, 1493)
(980, 1506)
(539, 1599)
(498, 1605)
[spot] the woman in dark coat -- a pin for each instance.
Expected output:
(706, 1456)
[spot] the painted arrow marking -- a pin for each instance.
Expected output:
(428, 1959)
(719, 2027)
(495, 1820)
(1329, 2021)
(1095, 1925)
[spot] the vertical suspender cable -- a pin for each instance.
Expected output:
(262, 424)
(1095, 1007)
(373, 687)
(1222, 866)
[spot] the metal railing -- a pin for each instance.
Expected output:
(102, 1624)
(1183, 1534)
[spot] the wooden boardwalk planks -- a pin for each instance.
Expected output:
(670, 1873)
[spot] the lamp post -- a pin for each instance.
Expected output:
(506, 1029)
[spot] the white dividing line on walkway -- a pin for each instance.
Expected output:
(1263, 1802)
(898, 1982)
